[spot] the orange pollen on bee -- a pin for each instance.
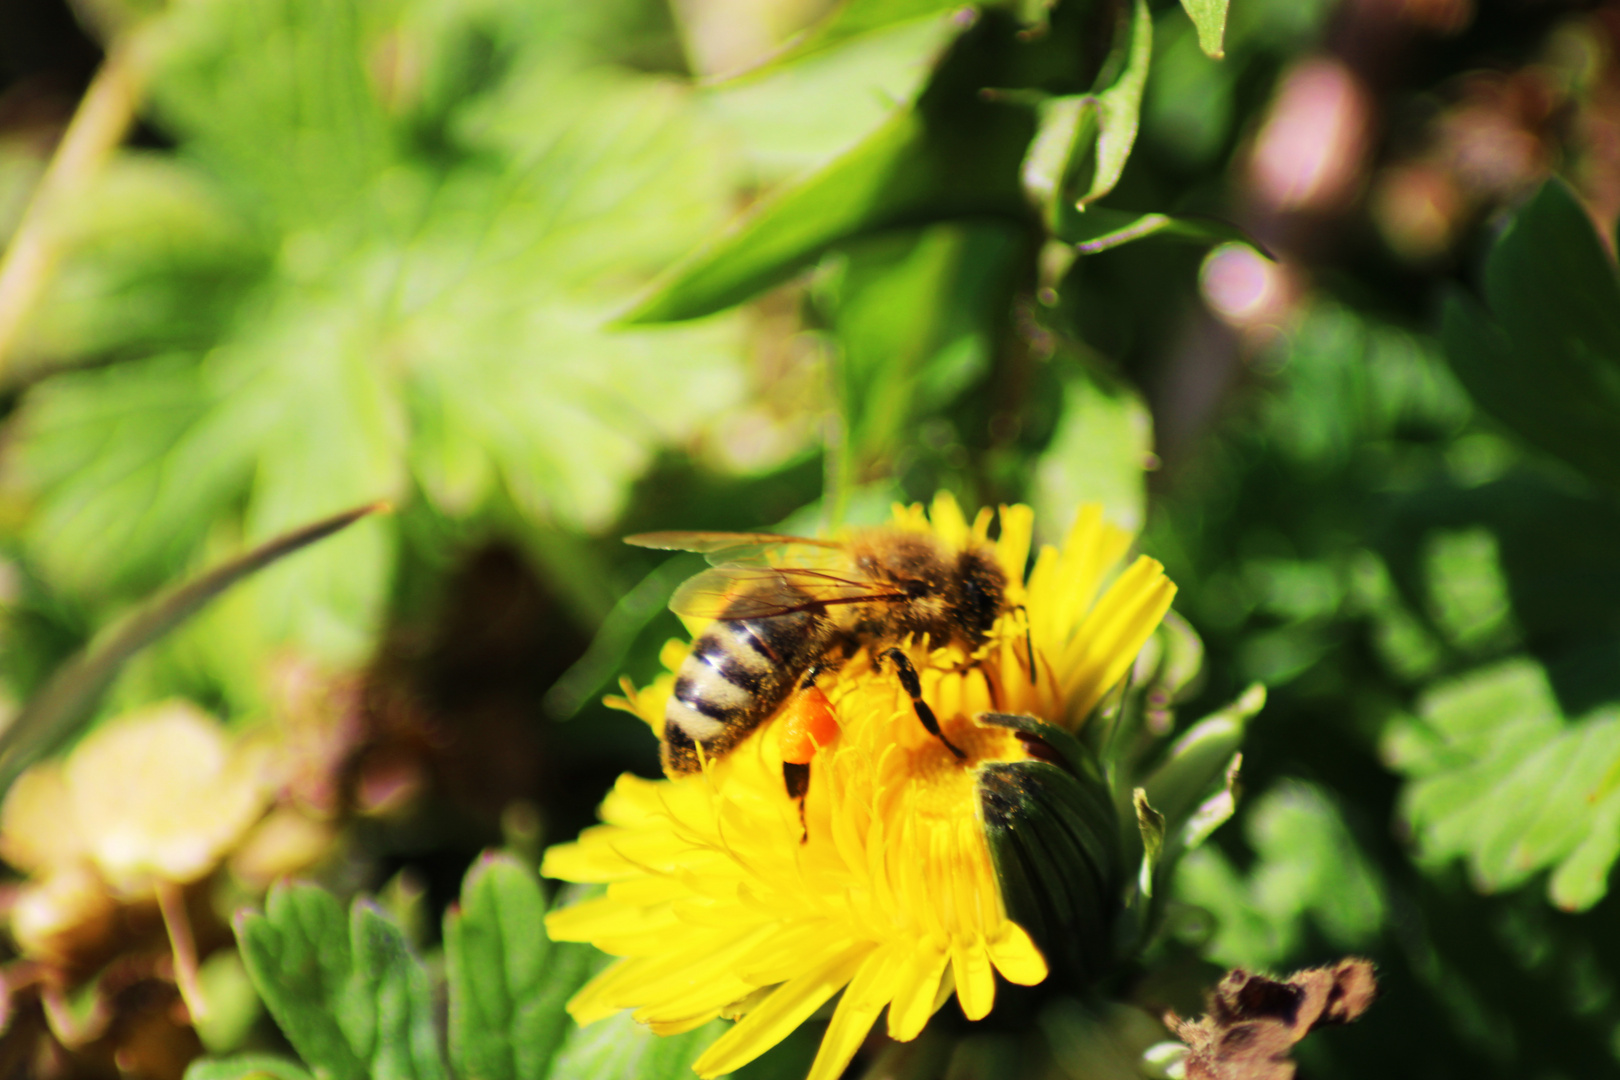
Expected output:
(808, 723)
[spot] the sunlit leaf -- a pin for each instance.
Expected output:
(1119, 100)
(508, 982)
(247, 1067)
(344, 988)
(1498, 777)
(920, 167)
(852, 19)
(1099, 453)
(427, 322)
(1210, 18)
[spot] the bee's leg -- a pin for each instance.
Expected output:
(796, 777)
(808, 722)
(913, 688)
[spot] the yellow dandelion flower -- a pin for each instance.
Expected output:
(722, 902)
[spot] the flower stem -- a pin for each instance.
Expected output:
(172, 903)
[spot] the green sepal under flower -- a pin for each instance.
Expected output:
(1054, 839)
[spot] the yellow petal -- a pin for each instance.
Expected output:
(1012, 547)
(865, 996)
(975, 978)
(1015, 955)
(772, 1019)
(915, 993)
(946, 517)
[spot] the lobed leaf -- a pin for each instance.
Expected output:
(1543, 355)
(1497, 776)
(508, 983)
(346, 991)
(247, 1067)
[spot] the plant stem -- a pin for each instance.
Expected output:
(98, 126)
(172, 903)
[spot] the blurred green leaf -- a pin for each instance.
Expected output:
(402, 318)
(1307, 866)
(851, 19)
(65, 702)
(158, 259)
(346, 991)
(247, 1067)
(1210, 18)
(914, 318)
(618, 1048)
(232, 1005)
(855, 88)
(1099, 453)
(1545, 358)
(1495, 775)
(951, 155)
(1064, 130)
(1188, 107)
(298, 135)
(922, 166)
(508, 983)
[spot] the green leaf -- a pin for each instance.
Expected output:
(1196, 762)
(1545, 359)
(67, 698)
(852, 19)
(300, 128)
(1119, 100)
(508, 982)
(400, 321)
(1307, 867)
(854, 87)
(618, 1048)
(1150, 823)
(915, 317)
(1497, 776)
(951, 155)
(1099, 453)
(1210, 18)
(1082, 141)
(247, 1067)
(1065, 129)
(347, 992)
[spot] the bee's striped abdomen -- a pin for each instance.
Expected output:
(738, 672)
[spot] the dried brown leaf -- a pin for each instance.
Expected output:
(1254, 1022)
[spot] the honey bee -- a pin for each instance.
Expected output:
(787, 608)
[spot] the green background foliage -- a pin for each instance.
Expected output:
(543, 274)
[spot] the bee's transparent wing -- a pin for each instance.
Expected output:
(727, 548)
(763, 592)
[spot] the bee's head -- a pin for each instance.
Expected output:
(979, 592)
